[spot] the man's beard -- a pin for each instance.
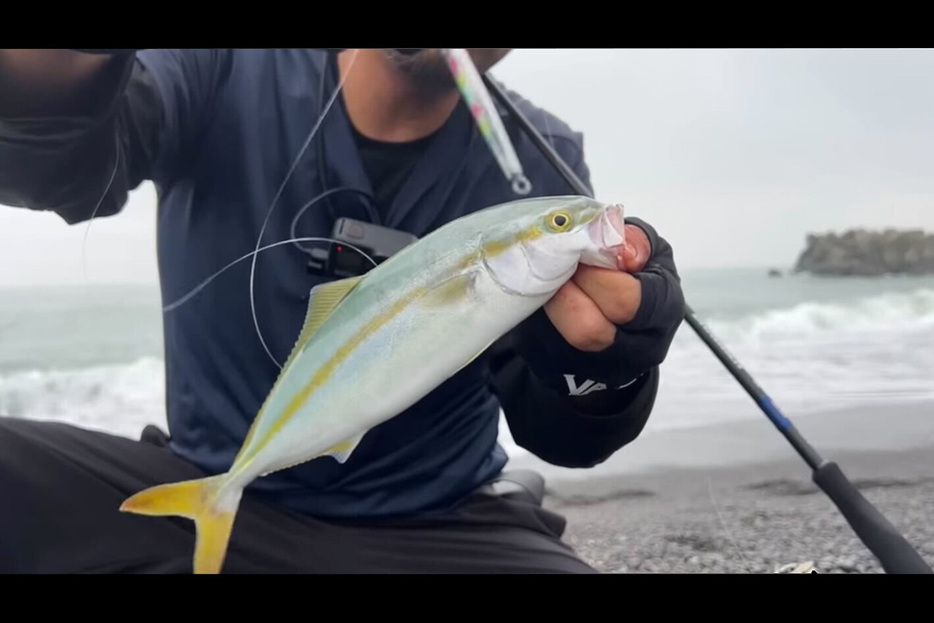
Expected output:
(427, 70)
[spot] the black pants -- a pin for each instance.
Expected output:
(61, 488)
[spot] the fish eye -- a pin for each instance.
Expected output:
(559, 221)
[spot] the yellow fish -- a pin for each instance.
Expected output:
(475, 279)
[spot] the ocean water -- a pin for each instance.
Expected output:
(92, 355)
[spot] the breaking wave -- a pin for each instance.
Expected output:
(811, 357)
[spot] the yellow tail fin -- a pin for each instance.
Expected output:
(207, 502)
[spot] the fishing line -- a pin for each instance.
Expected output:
(324, 195)
(84, 243)
(275, 199)
(191, 294)
(726, 529)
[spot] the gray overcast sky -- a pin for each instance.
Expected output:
(734, 155)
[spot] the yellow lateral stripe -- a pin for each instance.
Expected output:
(323, 300)
(492, 248)
(497, 247)
(325, 372)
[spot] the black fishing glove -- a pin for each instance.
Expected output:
(606, 382)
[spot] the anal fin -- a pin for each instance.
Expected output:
(342, 451)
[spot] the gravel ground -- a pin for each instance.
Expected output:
(748, 519)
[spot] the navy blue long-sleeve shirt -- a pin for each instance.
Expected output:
(217, 131)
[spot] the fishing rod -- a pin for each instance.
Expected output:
(893, 551)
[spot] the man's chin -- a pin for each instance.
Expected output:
(427, 68)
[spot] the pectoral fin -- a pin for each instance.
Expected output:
(450, 291)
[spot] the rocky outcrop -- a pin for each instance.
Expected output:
(869, 253)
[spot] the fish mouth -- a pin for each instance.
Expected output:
(608, 235)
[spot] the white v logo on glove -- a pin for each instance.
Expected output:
(588, 386)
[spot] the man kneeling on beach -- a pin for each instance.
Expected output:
(217, 131)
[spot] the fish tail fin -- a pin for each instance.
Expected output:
(207, 501)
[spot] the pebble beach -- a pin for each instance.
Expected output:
(746, 516)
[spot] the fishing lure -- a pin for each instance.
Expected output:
(488, 121)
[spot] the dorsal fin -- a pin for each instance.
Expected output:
(322, 300)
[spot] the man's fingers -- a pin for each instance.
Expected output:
(638, 249)
(578, 318)
(618, 295)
